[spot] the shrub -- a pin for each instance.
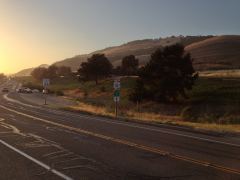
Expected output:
(59, 93)
(103, 89)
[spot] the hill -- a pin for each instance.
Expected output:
(140, 48)
(27, 72)
(209, 52)
(221, 52)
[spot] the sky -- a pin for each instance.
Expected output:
(34, 32)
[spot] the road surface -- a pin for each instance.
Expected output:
(41, 143)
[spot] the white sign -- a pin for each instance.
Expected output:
(46, 82)
(116, 84)
(116, 98)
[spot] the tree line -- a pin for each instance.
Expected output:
(98, 67)
(167, 76)
(51, 72)
(2, 76)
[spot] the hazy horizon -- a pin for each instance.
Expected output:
(42, 32)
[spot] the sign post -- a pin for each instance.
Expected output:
(116, 94)
(46, 83)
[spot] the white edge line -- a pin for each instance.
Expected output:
(45, 166)
(140, 127)
(5, 96)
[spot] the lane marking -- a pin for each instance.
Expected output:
(131, 125)
(43, 165)
(131, 144)
(5, 96)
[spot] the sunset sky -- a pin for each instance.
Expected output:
(34, 32)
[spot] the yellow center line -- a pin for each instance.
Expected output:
(131, 144)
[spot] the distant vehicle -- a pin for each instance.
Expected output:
(27, 90)
(24, 90)
(5, 90)
(19, 90)
(35, 91)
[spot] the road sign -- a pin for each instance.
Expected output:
(116, 93)
(116, 98)
(116, 84)
(46, 82)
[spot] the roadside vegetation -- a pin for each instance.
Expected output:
(2, 77)
(166, 90)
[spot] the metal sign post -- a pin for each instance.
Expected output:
(116, 94)
(46, 83)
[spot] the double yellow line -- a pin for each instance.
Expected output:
(131, 144)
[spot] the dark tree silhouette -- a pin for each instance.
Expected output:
(168, 74)
(2, 76)
(117, 71)
(130, 65)
(138, 93)
(39, 73)
(97, 67)
(64, 71)
(52, 72)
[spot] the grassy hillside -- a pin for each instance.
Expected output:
(213, 100)
(27, 72)
(221, 52)
(140, 48)
(209, 52)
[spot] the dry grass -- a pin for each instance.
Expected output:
(221, 73)
(155, 118)
(220, 52)
(102, 111)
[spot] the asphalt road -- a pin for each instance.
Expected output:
(41, 143)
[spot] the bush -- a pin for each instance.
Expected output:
(33, 86)
(103, 89)
(59, 93)
(85, 94)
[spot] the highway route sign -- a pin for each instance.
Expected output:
(46, 82)
(116, 98)
(116, 84)
(116, 93)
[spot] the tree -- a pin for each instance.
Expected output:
(39, 73)
(138, 93)
(2, 76)
(52, 72)
(167, 75)
(97, 67)
(64, 71)
(130, 65)
(117, 71)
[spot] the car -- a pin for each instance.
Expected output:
(5, 90)
(35, 91)
(27, 90)
(19, 90)
(24, 90)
